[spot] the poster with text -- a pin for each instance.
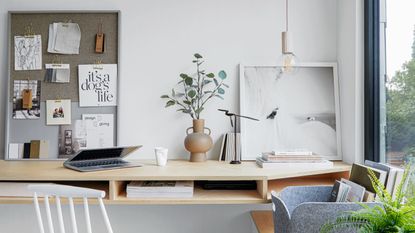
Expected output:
(97, 85)
(100, 130)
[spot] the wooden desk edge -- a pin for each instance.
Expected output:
(114, 181)
(263, 221)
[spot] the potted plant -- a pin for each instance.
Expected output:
(195, 91)
(393, 215)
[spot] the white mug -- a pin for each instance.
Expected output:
(161, 155)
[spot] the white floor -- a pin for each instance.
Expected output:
(145, 219)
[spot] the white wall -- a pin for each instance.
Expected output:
(226, 32)
(158, 40)
(350, 38)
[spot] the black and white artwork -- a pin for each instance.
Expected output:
(297, 111)
(26, 100)
(72, 138)
(28, 52)
(97, 85)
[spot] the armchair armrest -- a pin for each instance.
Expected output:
(295, 195)
(309, 217)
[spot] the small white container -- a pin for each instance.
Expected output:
(161, 155)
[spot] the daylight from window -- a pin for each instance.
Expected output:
(399, 91)
(400, 82)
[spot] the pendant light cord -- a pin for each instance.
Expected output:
(286, 15)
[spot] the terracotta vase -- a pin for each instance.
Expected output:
(198, 142)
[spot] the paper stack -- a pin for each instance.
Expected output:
(297, 159)
(64, 38)
(160, 189)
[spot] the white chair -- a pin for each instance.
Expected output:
(70, 192)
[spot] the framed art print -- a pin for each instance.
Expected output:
(298, 111)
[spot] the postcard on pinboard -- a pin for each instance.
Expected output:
(72, 138)
(57, 73)
(97, 85)
(26, 100)
(28, 52)
(58, 112)
(100, 130)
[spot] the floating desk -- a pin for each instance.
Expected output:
(114, 181)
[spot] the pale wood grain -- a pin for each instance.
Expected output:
(263, 220)
(175, 170)
(114, 181)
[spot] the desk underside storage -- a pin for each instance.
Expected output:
(114, 182)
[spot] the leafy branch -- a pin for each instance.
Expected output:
(395, 215)
(197, 89)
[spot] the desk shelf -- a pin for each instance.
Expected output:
(200, 196)
(323, 179)
(114, 182)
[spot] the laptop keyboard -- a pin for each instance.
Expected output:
(103, 163)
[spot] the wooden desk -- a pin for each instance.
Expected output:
(263, 221)
(115, 181)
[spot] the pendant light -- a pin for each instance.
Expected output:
(287, 61)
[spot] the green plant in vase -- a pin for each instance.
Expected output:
(191, 97)
(394, 215)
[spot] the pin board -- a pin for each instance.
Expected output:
(63, 76)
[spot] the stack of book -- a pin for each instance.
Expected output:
(297, 159)
(160, 189)
(359, 187)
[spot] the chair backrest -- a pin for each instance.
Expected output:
(69, 192)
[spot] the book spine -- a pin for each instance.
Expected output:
(43, 149)
(26, 151)
(34, 149)
(13, 151)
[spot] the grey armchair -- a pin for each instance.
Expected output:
(304, 209)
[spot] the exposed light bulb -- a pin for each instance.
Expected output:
(288, 61)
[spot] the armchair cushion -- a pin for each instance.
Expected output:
(306, 208)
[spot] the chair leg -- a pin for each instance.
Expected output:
(38, 214)
(105, 215)
(73, 218)
(49, 215)
(60, 216)
(87, 218)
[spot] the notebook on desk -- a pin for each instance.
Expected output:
(101, 159)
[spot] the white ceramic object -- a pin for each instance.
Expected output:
(161, 155)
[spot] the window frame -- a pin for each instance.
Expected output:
(372, 80)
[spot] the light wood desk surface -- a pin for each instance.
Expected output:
(114, 181)
(175, 170)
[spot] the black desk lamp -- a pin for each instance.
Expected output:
(234, 124)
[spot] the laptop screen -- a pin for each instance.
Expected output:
(107, 153)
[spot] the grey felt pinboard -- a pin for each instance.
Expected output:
(20, 131)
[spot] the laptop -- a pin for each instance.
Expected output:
(101, 159)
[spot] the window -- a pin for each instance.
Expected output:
(397, 82)
(390, 83)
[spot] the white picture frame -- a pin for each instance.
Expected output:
(247, 137)
(58, 112)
